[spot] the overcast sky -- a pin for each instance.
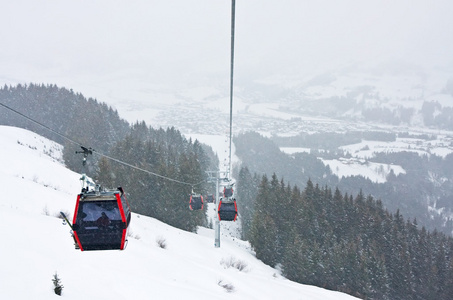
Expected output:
(90, 45)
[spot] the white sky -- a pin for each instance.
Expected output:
(105, 48)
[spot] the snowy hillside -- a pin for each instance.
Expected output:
(35, 245)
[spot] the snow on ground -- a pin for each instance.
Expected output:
(358, 165)
(36, 245)
(378, 172)
(293, 150)
(366, 149)
(220, 146)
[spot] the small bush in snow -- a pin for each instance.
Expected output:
(234, 263)
(131, 234)
(161, 242)
(57, 283)
(227, 286)
(45, 211)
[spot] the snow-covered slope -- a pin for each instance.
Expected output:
(35, 245)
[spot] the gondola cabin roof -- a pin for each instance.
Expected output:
(101, 196)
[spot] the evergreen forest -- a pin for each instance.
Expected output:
(343, 242)
(336, 238)
(72, 120)
(427, 182)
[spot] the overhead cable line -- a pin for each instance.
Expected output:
(149, 172)
(99, 153)
(233, 6)
(40, 124)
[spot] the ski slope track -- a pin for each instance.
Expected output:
(36, 245)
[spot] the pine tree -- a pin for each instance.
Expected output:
(293, 264)
(58, 287)
(105, 175)
(373, 255)
(264, 233)
(246, 191)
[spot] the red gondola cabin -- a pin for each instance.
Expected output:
(228, 192)
(227, 210)
(101, 220)
(196, 202)
(210, 198)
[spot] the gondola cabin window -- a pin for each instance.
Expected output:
(98, 214)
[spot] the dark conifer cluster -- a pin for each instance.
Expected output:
(427, 181)
(316, 236)
(177, 162)
(78, 120)
(71, 114)
(350, 244)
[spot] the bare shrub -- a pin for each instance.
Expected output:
(132, 235)
(45, 211)
(227, 286)
(161, 242)
(232, 262)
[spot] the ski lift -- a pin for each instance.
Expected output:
(228, 191)
(196, 201)
(101, 220)
(227, 210)
(101, 217)
(210, 198)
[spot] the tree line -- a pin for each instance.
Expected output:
(316, 236)
(427, 182)
(351, 244)
(82, 121)
(176, 167)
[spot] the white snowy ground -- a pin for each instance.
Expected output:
(35, 245)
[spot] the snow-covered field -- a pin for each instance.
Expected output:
(441, 147)
(377, 172)
(36, 245)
